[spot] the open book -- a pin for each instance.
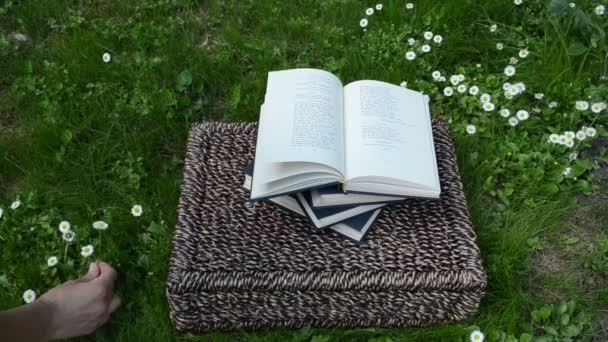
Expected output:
(370, 136)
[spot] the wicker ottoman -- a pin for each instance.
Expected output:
(243, 265)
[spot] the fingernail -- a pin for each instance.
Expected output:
(92, 266)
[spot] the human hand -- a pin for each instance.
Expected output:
(80, 306)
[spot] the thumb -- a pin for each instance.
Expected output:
(92, 273)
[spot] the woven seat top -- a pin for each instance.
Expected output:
(225, 241)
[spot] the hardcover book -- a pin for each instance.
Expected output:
(354, 228)
(332, 196)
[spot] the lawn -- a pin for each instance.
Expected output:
(85, 137)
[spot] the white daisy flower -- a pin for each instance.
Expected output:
(581, 135)
(87, 250)
(441, 79)
(478, 65)
(137, 210)
(471, 129)
(68, 236)
(570, 142)
(477, 336)
(539, 96)
(454, 80)
(1, 212)
(522, 115)
(428, 35)
(505, 113)
(508, 96)
(513, 61)
(523, 53)
(425, 48)
(554, 138)
(438, 39)
(106, 57)
(369, 11)
(590, 131)
(52, 261)
(513, 121)
(514, 90)
(572, 5)
(16, 204)
(462, 88)
(20, 37)
(506, 86)
(403, 84)
(409, 6)
(460, 77)
(510, 71)
(562, 139)
(379, 7)
(493, 28)
(488, 106)
(363, 22)
(518, 2)
(100, 225)
(499, 46)
(536, 110)
(64, 226)
(599, 10)
(29, 296)
(569, 134)
(411, 41)
(572, 156)
(410, 55)
(598, 107)
(436, 74)
(474, 90)
(485, 97)
(448, 91)
(581, 105)
(566, 171)
(553, 104)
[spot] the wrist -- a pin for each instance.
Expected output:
(45, 315)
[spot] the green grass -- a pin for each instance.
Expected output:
(84, 140)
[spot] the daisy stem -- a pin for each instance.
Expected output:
(65, 253)
(99, 239)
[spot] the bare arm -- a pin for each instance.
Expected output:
(75, 308)
(28, 322)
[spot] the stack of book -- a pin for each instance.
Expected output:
(338, 154)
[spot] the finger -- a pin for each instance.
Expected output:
(93, 272)
(107, 275)
(114, 304)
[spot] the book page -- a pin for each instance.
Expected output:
(388, 134)
(305, 110)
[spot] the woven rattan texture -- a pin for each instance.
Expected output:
(243, 265)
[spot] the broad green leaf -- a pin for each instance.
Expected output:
(572, 330)
(576, 49)
(570, 240)
(552, 331)
(583, 163)
(184, 79)
(558, 6)
(565, 319)
(166, 98)
(525, 337)
(234, 97)
(550, 189)
(571, 307)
